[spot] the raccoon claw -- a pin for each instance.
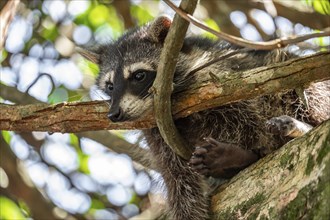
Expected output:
(286, 126)
(199, 151)
(220, 160)
(283, 125)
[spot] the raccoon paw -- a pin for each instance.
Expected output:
(220, 160)
(283, 125)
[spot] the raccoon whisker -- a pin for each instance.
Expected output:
(146, 96)
(145, 89)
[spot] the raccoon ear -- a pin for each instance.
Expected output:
(158, 29)
(89, 55)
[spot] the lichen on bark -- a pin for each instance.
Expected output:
(291, 183)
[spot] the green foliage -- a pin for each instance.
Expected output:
(89, 68)
(321, 6)
(6, 136)
(59, 94)
(49, 31)
(74, 141)
(141, 14)
(97, 204)
(211, 24)
(9, 210)
(98, 16)
(83, 158)
(3, 55)
(83, 163)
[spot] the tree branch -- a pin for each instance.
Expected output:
(291, 183)
(14, 95)
(109, 140)
(163, 84)
(123, 9)
(84, 116)
(269, 45)
(7, 14)
(40, 207)
(309, 18)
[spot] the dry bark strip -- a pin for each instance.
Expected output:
(291, 183)
(212, 92)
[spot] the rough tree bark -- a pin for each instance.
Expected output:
(291, 183)
(216, 89)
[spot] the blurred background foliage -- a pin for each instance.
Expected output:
(79, 176)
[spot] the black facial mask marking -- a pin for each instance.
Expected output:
(140, 81)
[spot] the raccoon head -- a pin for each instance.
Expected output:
(128, 69)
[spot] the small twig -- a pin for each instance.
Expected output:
(37, 79)
(269, 45)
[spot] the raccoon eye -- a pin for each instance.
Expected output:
(108, 87)
(139, 75)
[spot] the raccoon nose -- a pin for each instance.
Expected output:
(115, 115)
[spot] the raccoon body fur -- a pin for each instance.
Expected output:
(127, 71)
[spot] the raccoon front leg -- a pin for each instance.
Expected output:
(287, 126)
(220, 160)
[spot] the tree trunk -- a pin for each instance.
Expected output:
(291, 183)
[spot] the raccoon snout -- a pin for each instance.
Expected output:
(116, 115)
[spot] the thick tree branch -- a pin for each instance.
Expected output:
(291, 183)
(163, 85)
(84, 116)
(106, 138)
(14, 95)
(123, 8)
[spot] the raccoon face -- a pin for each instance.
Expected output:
(128, 89)
(128, 69)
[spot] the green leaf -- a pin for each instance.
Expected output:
(212, 24)
(83, 163)
(3, 55)
(98, 15)
(9, 210)
(74, 141)
(97, 204)
(58, 95)
(322, 6)
(89, 68)
(141, 14)
(50, 30)
(6, 136)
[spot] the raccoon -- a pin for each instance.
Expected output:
(225, 139)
